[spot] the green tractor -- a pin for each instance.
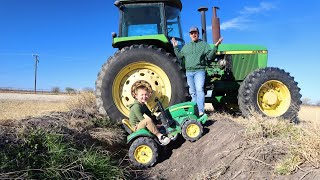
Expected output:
(238, 79)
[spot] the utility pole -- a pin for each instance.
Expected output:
(35, 72)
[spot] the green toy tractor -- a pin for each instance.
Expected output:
(238, 79)
(178, 119)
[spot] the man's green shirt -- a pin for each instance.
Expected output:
(195, 54)
(136, 112)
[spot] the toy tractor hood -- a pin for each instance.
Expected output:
(175, 3)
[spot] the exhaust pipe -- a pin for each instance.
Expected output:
(215, 25)
(203, 10)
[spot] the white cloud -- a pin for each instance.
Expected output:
(235, 23)
(263, 6)
(242, 21)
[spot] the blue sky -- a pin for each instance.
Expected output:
(73, 38)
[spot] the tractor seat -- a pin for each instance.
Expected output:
(127, 126)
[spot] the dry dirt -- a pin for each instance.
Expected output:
(222, 152)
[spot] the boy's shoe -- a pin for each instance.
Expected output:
(164, 140)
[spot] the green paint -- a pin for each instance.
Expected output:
(139, 133)
(239, 47)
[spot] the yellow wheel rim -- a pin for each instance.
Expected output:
(193, 130)
(143, 154)
(127, 76)
(273, 98)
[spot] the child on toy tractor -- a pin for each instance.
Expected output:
(140, 115)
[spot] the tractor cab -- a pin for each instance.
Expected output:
(153, 21)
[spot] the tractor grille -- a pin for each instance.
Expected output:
(243, 64)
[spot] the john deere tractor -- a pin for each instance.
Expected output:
(238, 79)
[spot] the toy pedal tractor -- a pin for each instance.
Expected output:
(181, 118)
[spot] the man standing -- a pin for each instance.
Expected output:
(195, 55)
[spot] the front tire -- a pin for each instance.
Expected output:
(271, 92)
(157, 68)
(192, 130)
(143, 152)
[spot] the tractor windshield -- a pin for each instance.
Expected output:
(141, 19)
(173, 24)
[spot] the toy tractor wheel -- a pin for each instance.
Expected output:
(271, 92)
(192, 130)
(153, 66)
(143, 152)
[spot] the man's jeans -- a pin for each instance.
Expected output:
(195, 80)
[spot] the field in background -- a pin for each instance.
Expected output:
(310, 113)
(16, 106)
(306, 113)
(14, 109)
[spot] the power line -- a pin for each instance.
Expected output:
(35, 71)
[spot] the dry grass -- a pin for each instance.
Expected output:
(302, 141)
(20, 109)
(310, 113)
(84, 100)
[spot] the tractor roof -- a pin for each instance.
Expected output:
(175, 3)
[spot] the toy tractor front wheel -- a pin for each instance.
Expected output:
(143, 152)
(192, 130)
(271, 92)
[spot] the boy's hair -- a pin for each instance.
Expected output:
(143, 87)
(139, 85)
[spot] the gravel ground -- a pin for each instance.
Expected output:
(34, 97)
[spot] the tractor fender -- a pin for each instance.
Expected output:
(140, 133)
(187, 118)
(202, 119)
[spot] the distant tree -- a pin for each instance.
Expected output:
(87, 89)
(318, 103)
(55, 90)
(70, 90)
(306, 101)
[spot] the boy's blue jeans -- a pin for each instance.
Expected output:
(195, 80)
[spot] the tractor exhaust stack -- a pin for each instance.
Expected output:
(203, 10)
(215, 25)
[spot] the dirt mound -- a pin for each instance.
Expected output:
(223, 153)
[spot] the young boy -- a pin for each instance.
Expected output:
(140, 115)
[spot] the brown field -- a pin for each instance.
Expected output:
(310, 114)
(17, 106)
(15, 109)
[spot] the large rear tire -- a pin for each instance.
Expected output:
(271, 92)
(154, 66)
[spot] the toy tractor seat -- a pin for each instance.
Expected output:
(127, 126)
